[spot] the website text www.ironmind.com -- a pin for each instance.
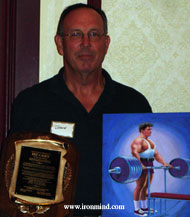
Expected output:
(95, 207)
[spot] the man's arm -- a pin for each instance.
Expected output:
(160, 159)
(135, 153)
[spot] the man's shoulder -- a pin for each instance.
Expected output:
(125, 99)
(37, 90)
(122, 89)
(129, 95)
(138, 140)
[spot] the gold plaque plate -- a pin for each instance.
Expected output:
(40, 172)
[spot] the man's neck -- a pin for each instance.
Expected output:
(86, 87)
(143, 136)
(84, 81)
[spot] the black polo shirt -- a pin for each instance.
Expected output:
(35, 108)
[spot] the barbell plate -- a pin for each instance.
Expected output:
(123, 175)
(130, 169)
(135, 167)
(183, 164)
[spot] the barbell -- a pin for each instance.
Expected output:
(128, 169)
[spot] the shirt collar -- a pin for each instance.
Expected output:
(58, 86)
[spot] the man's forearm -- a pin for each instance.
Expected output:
(160, 159)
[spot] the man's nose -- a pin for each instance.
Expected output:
(86, 40)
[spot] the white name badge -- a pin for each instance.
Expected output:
(62, 128)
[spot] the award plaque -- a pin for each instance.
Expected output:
(39, 174)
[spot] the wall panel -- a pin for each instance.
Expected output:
(150, 50)
(50, 61)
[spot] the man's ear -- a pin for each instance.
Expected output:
(59, 44)
(107, 42)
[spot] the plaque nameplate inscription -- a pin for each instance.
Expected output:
(38, 172)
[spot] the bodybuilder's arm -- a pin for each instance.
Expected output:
(160, 159)
(135, 153)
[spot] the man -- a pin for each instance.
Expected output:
(145, 151)
(79, 94)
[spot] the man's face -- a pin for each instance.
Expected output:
(147, 131)
(84, 55)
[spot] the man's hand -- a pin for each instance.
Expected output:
(168, 165)
(143, 167)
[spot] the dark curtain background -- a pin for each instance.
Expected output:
(19, 52)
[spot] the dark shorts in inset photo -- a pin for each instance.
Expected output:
(147, 163)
